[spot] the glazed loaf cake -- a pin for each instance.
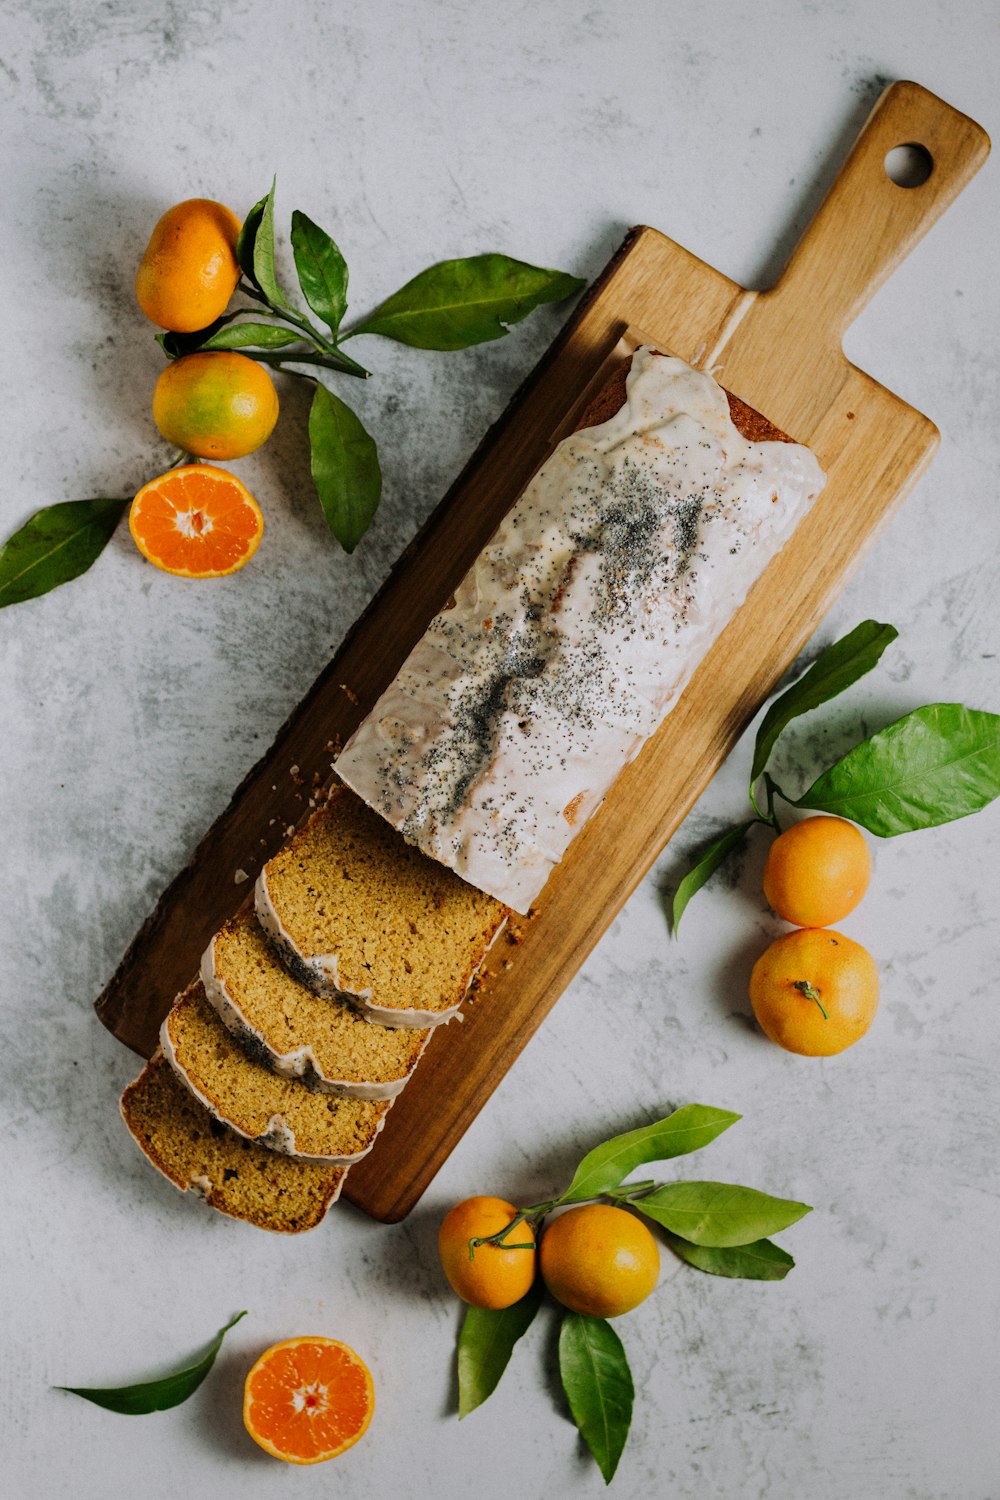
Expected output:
(356, 913)
(280, 1113)
(577, 628)
(331, 1046)
(199, 1155)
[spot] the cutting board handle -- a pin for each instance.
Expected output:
(867, 223)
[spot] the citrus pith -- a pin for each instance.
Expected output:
(196, 521)
(215, 405)
(307, 1400)
(814, 991)
(489, 1276)
(189, 269)
(599, 1260)
(817, 871)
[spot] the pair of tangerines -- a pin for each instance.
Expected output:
(815, 991)
(595, 1259)
(197, 520)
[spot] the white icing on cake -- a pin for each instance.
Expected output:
(576, 630)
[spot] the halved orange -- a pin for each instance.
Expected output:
(308, 1399)
(196, 521)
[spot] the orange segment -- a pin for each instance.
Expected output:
(196, 521)
(308, 1399)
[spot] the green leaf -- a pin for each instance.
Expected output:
(937, 763)
(486, 1343)
(705, 866)
(598, 1385)
(761, 1260)
(835, 669)
(687, 1129)
(264, 274)
(462, 302)
(321, 268)
(719, 1213)
(246, 240)
(154, 1395)
(252, 336)
(56, 545)
(345, 468)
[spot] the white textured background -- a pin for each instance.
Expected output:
(133, 703)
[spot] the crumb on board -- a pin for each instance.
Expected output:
(240, 877)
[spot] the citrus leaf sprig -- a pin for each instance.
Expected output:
(717, 1227)
(155, 1395)
(935, 764)
(453, 305)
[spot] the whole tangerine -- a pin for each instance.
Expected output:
(189, 270)
(599, 1260)
(218, 404)
(814, 991)
(486, 1275)
(817, 871)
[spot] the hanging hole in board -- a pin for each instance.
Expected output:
(909, 166)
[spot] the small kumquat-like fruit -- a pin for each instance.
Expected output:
(486, 1275)
(308, 1399)
(189, 270)
(599, 1260)
(196, 521)
(215, 405)
(817, 871)
(814, 991)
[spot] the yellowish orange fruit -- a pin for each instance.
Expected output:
(218, 405)
(599, 1260)
(308, 1399)
(817, 871)
(489, 1276)
(189, 270)
(814, 991)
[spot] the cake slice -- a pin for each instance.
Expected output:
(280, 1113)
(198, 1154)
(358, 914)
(331, 1046)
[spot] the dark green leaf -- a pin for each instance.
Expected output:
(322, 270)
(154, 1395)
(247, 239)
(935, 764)
(705, 866)
(463, 302)
(56, 545)
(761, 1260)
(345, 468)
(486, 1343)
(252, 336)
(598, 1385)
(719, 1213)
(263, 255)
(687, 1129)
(835, 669)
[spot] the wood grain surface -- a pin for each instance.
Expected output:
(779, 351)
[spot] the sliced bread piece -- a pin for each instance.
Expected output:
(331, 1046)
(200, 1155)
(280, 1113)
(358, 914)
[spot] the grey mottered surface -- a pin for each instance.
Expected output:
(133, 704)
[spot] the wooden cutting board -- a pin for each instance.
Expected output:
(781, 352)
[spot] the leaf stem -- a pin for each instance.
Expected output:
(303, 357)
(811, 993)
